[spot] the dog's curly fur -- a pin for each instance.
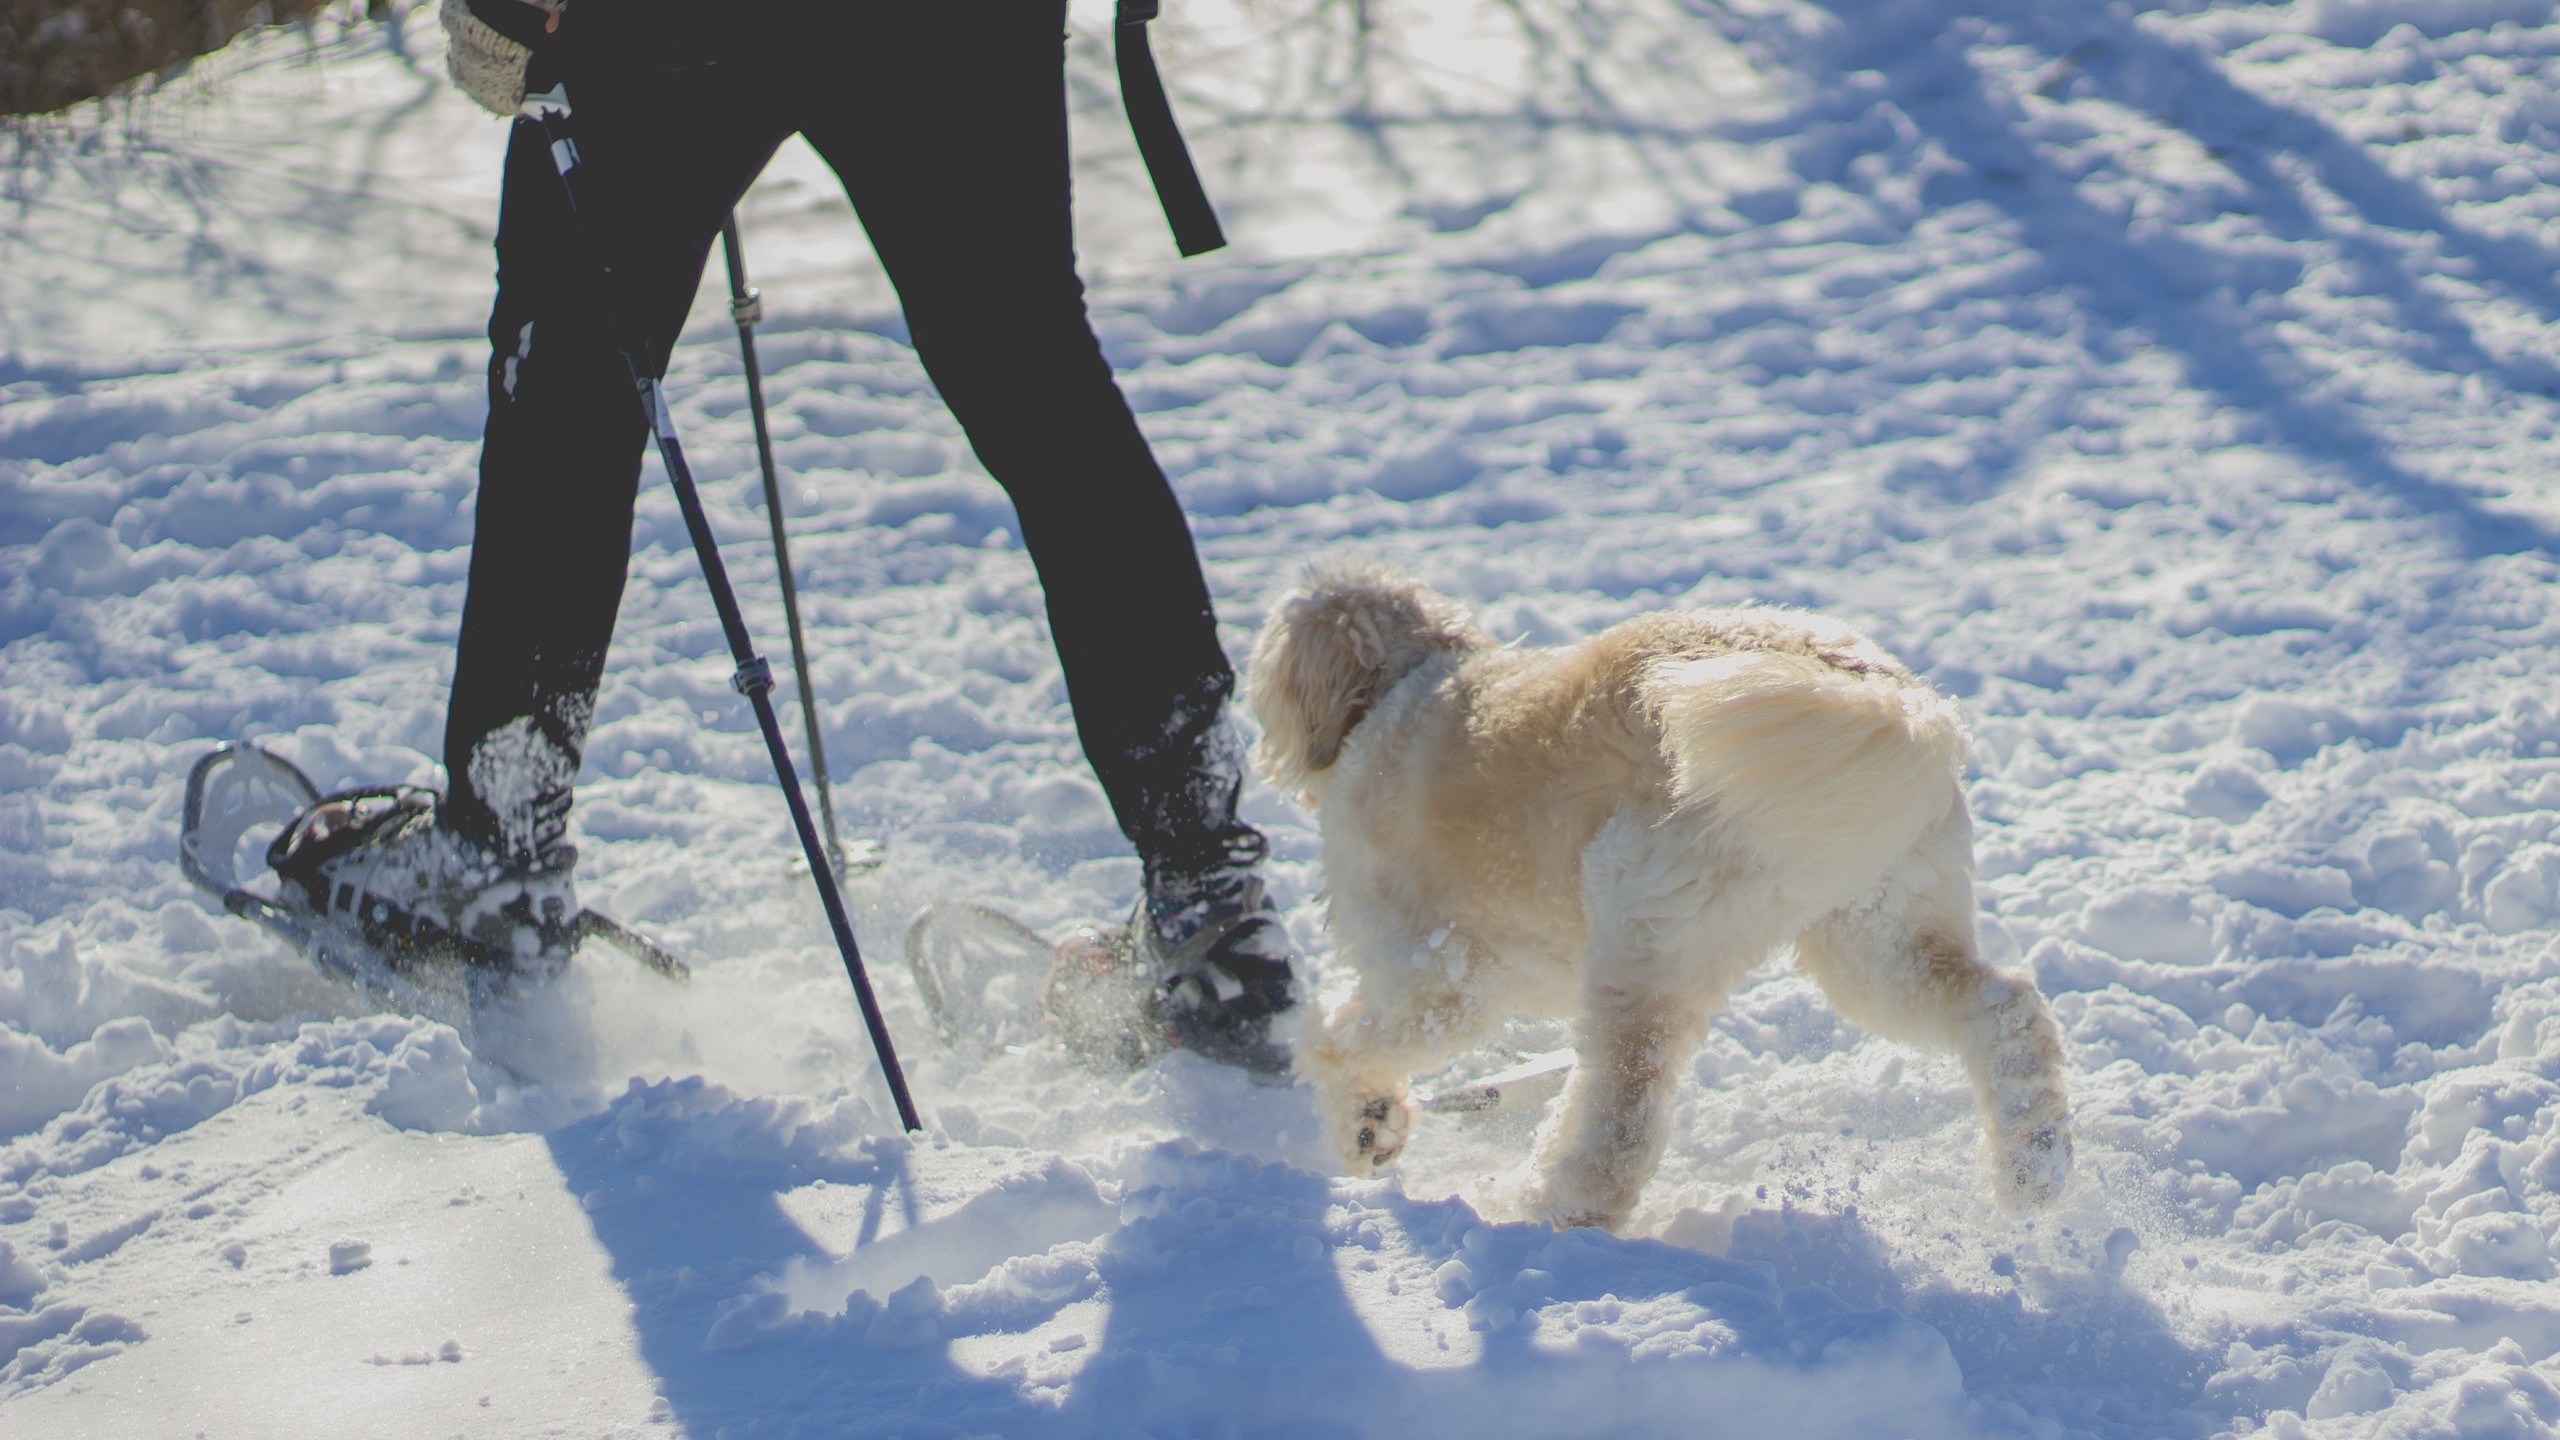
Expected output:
(1619, 830)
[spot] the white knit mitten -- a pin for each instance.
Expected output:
(487, 65)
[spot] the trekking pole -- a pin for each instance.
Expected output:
(549, 111)
(746, 306)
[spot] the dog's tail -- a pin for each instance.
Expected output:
(1806, 768)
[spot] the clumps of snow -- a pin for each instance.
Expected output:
(746, 1319)
(426, 1082)
(912, 1315)
(414, 1073)
(38, 1082)
(695, 1124)
(108, 1239)
(2366, 1389)
(126, 1112)
(346, 1257)
(70, 1018)
(43, 1347)
(523, 775)
(449, 1353)
(20, 1281)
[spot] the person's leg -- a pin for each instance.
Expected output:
(670, 131)
(948, 127)
(947, 123)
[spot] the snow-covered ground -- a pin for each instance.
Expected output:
(2173, 383)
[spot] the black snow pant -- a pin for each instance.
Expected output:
(946, 121)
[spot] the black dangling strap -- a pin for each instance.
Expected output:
(1177, 181)
(1186, 205)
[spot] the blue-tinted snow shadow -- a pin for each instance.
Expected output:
(1224, 1290)
(2182, 295)
(1195, 1335)
(2086, 1351)
(688, 1240)
(53, 160)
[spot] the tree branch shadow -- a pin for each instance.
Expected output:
(2162, 285)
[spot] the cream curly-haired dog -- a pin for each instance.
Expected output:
(1619, 830)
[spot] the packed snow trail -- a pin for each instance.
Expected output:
(2173, 385)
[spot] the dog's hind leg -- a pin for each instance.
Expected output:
(1902, 963)
(1667, 945)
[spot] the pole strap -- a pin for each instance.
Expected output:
(1177, 182)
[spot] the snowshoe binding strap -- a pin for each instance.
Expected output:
(337, 824)
(483, 913)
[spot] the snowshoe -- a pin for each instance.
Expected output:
(378, 862)
(1116, 996)
(978, 971)
(1101, 1001)
(375, 893)
(1218, 958)
(994, 984)
(1528, 1081)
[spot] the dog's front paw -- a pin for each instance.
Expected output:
(1378, 1133)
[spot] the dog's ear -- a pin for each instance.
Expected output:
(1307, 685)
(1329, 650)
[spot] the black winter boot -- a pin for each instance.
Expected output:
(1202, 964)
(1212, 942)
